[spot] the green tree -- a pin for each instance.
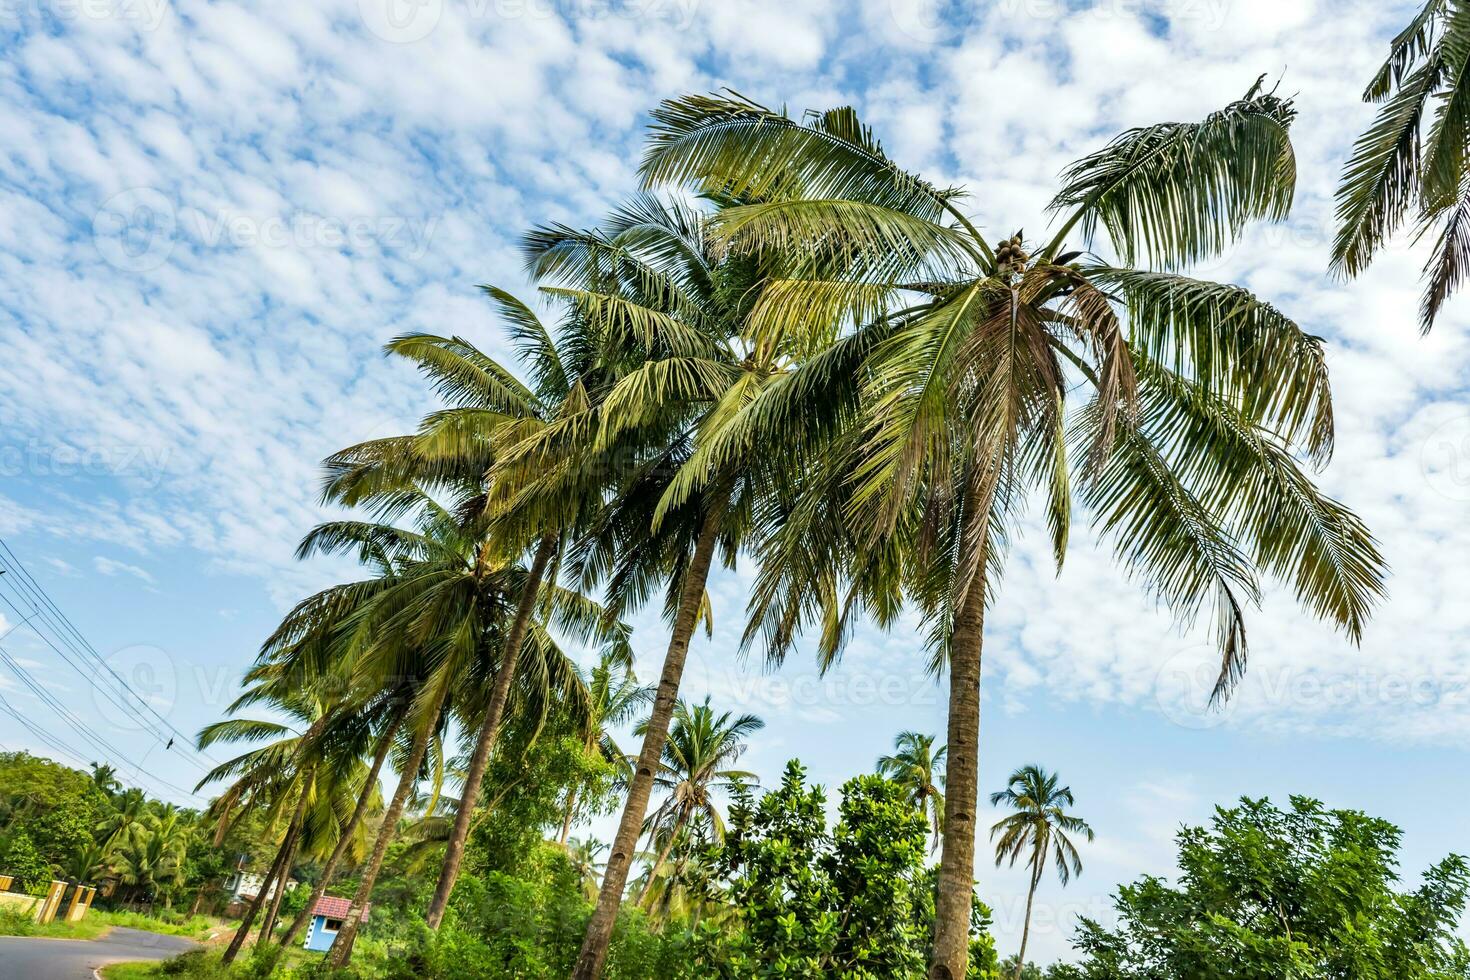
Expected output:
(853, 903)
(918, 767)
(586, 855)
(1304, 893)
(950, 400)
(655, 282)
(1411, 161)
(1039, 830)
(150, 858)
(696, 759)
(614, 697)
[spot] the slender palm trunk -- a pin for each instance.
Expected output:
(1026, 926)
(615, 877)
(268, 924)
(571, 814)
(663, 857)
(341, 952)
(344, 841)
(566, 821)
(489, 729)
(276, 870)
(957, 859)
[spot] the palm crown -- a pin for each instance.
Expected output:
(968, 376)
(1411, 161)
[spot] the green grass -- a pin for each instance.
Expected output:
(96, 922)
(130, 971)
(13, 923)
(197, 927)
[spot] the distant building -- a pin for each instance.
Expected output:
(243, 886)
(327, 917)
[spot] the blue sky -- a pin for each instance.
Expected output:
(212, 215)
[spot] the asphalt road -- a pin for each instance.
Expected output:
(75, 959)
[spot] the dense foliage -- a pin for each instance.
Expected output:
(854, 902)
(1304, 893)
(60, 823)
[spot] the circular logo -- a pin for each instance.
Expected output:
(401, 21)
(134, 674)
(1183, 686)
(931, 21)
(1444, 459)
(134, 230)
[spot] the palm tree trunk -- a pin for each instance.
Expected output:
(566, 822)
(345, 841)
(268, 924)
(276, 869)
(489, 728)
(615, 877)
(1026, 927)
(341, 952)
(663, 857)
(957, 859)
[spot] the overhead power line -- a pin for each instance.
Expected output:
(125, 698)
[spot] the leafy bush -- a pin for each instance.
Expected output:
(20, 859)
(1267, 894)
(854, 903)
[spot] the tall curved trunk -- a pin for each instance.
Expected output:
(566, 821)
(268, 924)
(600, 927)
(345, 841)
(489, 729)
(1026, 927)
(271, 875)
(951, 955)
(341, 952)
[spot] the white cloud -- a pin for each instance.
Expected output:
(322, 189)
(107, 566)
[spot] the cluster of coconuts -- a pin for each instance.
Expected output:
(1010, 254)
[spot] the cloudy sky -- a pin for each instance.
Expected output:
(212, 216)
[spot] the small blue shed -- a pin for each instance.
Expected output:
(326, 919)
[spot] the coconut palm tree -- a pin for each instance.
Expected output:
(91, 862)
(950, 398)
(456, 449)
(696, 759)
(150, 857)
(1038, 831)
(450, 594)
(614, 698)
(1411, 162)
(919, 768)
(586, 855)
(104, 777)
(656, 283)
(294, 772)
(127, 808)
